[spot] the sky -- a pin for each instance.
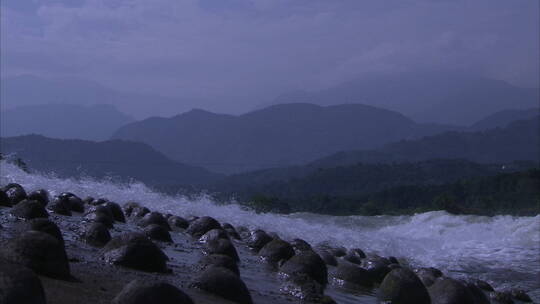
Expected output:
(239, 53)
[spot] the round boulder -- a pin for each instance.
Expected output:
(158, 233)
(15, 193)
(116, 211)
(428, 276)
(300, 245)
(40, 252)
(202, 225)
(46, 226)
(19, 284)
(136, 251)
(450, 291)
(41, 196)
(257, 239)
(353, 275)
(224, 283)
(220, 260)
(221, 246)
(327, 257)
(306, 263)
(214, 234)
(4, 199)
(28, 209)
(402, 286)
(97, 235)
(155, 218)
(276, 250)
(177, 222)
(60, 205)
(143, 292)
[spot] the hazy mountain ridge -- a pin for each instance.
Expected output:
(67, 121)
(277, 136)
(122, 159)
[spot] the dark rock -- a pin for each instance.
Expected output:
(133, 209)
(155, 218)
(100, 217)
(4, 199)
(40, 252)
(192, 218)
(88, 200)
(231, 231)
(243, 232)
(300, 245)
(74, 202)
(450, 291)
(19, 284)
(306, 263)
(404, 287)
(305, 288)
(478, 295)
(134, 250)
(46, 226)
(521, 295)
(276, 250)
(60, 205)
(15, 193)
(224, 283)
(177, 222)
(353, 274)
(393, 260)
(327, 257)
(221, 246)
(99, 201)
(116, 211)
(28, 209)
(377, 267)
(202, 225)
(483, 285)
(257, 239)
(501, 297)
(354, 256)
(220, 260)
(214, 234)
(97, 235)
(338, 252)
(158, 233)
(428, 276)
(144, 292)
(41, 196)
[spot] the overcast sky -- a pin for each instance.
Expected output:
(238, 52)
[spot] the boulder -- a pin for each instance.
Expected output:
(306, 263)
(202, 225)
(276, 250)
(224, 283)
(257, 239)
(97, 235)
(116, 211)
(377, 267)
(327, 257)
(158, 233)
(46, 226)
(231, 231)
(41, 196)
(354, 256)
(73, 202)
(305, 288)
(60, 205)
(300, 245)
(501, 297)
(29, 209)
(477, 293)
(4, 199)
(15, 193)
(428, 276)
(450, 291)
(100, 217)
(520, 295)
(221, 246)
(19, 284)
(214, 234)
(40, 252)
(402, 286)
(136, 251)
(154, 218)
(144, 292)
(177, 222)
(350, 274)
(220, 260)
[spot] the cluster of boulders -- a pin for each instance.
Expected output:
(305, 270)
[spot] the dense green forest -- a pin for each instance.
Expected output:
(516, 193)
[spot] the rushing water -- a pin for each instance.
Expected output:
(503, 250)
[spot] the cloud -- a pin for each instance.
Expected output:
(239, 52)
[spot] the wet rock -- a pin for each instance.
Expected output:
(354, 256)
(393, 260)
(158, 233)
(231, 231)
(15, 193)
(19, 284)
(338, 252)
(88, 200)
(501, 297)
(300, 245)
(257, 239)
(220, 260)
(327, 257)
(221, 246)
(133, 209)
(4, 199)
(306, 263)
(404, 287)
(521, 295)
(41, 196)
(143, 292)
(28, 209)
(348, 274)
(305, 288)
(214, 234)
(40, 252)
(192, 218)
(478, 295)
(377, 267)
(46, 226)
(177, 222)
(202, 225)
(450, 291)
(243, 232)
(136, 251)
(276, 250)
(74, 203)
(97, 235)
(99, 201)
(224, 283)
(116, 211)
(428, 276)
(483, 285)
(60, 205)
(154, 218)
(100, 217)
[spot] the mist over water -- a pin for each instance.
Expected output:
(504, 250)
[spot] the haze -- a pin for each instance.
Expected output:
(233, 56)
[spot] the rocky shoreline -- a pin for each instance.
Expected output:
(67, 249)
